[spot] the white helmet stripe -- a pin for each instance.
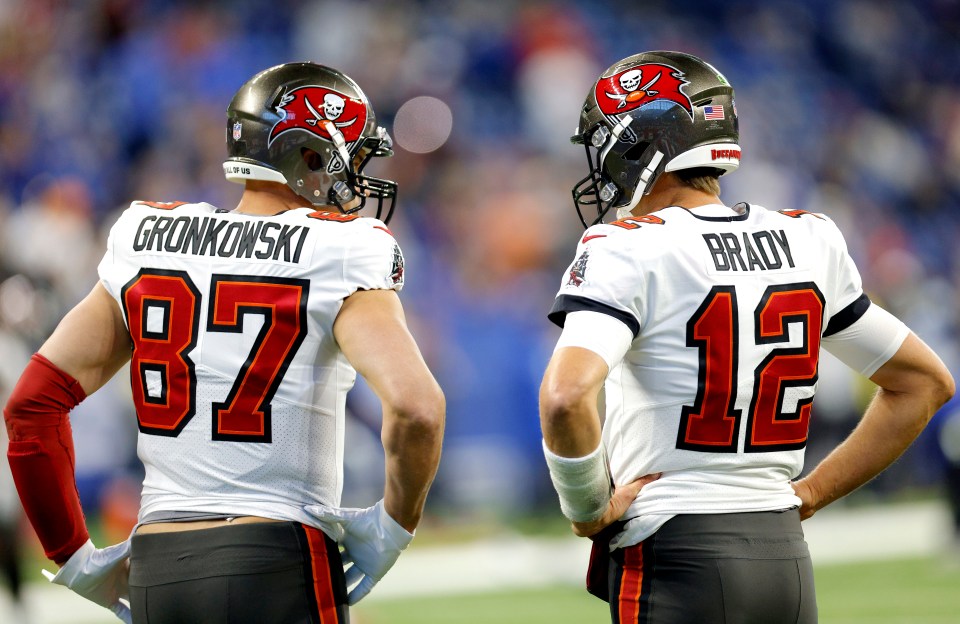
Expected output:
(724, 156)
(239, 171)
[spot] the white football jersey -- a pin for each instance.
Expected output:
(237, 380)
(727, 309)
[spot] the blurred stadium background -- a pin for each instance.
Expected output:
(849, 107)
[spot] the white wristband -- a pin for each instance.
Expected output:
(583, 483)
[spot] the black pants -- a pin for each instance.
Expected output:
(746, 568)
(269, 573)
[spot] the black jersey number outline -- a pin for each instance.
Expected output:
(712, 424)
(162, 309)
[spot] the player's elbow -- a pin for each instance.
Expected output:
(935, 384)
(11, 413)
(562, 403)
(933, 388)
(421, 409)
(917, 374)
(942, 386)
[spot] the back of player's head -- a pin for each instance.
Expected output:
(647, 114)
(312, 128)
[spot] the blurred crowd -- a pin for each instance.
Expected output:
(848, 107)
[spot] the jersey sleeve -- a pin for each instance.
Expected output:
(604, 277)
(848, 301)
(602, 334)
(110, 270)
(859, 333)
(870, 342)
(373, 261)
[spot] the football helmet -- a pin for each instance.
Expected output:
(310, 127)
(646, 114)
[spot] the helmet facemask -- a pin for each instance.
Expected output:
(369, 187)
(615, 155)
(349, 190)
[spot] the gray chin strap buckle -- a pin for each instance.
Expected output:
(343, 191)
(608, 192)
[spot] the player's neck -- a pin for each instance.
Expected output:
(669, 191)
(268, 198)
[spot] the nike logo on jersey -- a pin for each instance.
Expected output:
(765, 250)
(591, 237)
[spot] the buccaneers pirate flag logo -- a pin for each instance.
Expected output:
(578, 270)
(396, 273)
(312, 108)
(640, 85)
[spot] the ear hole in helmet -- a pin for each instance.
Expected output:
(636, 152)
(312, 158)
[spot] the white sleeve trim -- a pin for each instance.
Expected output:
(601, 333)
(866, 345)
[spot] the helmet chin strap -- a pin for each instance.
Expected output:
(338, 141)
(612, 139)
(645, 177)
(341, 145)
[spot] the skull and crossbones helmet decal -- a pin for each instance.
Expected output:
(647, 114)
(333, 106)
(310, 127)
(630, 80)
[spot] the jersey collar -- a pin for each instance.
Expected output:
(718, 212)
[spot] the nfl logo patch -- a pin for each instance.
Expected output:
(237, 128)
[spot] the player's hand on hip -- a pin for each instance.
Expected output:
(99, 575)
(808, 498)
(372, 542)
(623, 497)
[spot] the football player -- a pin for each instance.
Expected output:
(244, 330)
(699, 325)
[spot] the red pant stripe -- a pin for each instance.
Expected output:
(322, 583)
(631, 582)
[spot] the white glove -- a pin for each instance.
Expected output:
(372, 541)
(99, 575)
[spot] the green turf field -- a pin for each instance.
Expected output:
(911, 591)
(908, 591)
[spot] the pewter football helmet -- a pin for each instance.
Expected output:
(310, 127)
(649, 113)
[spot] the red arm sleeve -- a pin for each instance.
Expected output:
(41, 455)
